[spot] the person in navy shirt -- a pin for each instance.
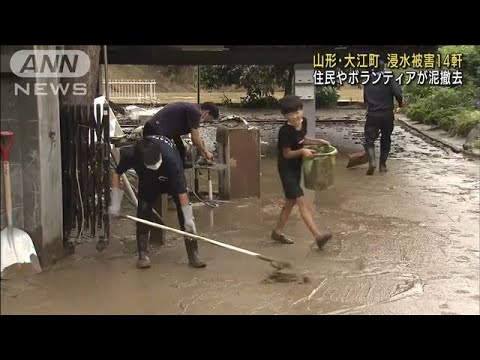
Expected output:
(157, 163)
(182, 118)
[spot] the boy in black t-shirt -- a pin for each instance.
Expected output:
(291, 138)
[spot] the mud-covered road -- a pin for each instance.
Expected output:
(405, 242)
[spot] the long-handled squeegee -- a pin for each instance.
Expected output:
(275, 263)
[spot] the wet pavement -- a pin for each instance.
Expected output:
(404, 242)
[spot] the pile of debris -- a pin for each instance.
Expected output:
(132, 116)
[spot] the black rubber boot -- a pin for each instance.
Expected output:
(143, 245)
(383, 163)
(192, 251)
(371, 160)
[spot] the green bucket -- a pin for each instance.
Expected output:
(318, 173)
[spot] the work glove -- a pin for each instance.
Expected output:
(116, 196)
(189, 219)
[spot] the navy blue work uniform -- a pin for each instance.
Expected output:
(173, 121)
(168, 179)
(380, 110)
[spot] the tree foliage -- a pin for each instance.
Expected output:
(470, 65)
(259, 81)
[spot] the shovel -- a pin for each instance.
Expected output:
(357, 159)
(16, 244)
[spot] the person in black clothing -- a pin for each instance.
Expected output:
(182, 118)
(159, 169)
(380, 110)
(291, 138)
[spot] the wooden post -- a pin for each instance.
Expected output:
(157, 235)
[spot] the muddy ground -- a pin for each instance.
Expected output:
(405, 242)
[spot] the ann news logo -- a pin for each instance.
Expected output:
(50, 64)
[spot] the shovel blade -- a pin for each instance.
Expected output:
(357, 159)
(19, 249)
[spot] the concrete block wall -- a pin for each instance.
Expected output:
(14, 112)
(35, 161)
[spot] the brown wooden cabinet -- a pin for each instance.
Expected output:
(239, 148)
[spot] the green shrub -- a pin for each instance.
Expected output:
(326, 96)
(470, 65)
(440, 107)
(414, 92)
(260, 101)
(451, 108)
(466, 121)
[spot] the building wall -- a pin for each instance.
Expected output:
(35, 161)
